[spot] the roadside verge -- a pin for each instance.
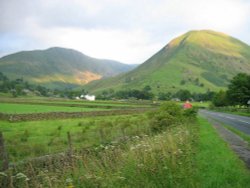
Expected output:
(236, 143)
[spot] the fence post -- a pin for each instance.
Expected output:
(70, 152)
(3, 154)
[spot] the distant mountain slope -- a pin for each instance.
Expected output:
(197, 61)
(59, 67)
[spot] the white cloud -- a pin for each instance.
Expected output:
(126, 30)
(125, 46)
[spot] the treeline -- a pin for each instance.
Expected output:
(184, 94)
(147, 94)
(19, 87)
(237, 93)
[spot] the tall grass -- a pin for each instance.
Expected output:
(163, 160)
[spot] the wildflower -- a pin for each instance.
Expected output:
(136, 137)
(132, 148)
(165, 167)
(3, 174)
(180, 151)
(69, 183)
(121, 178)
(140, 165)
(22, 176)
(88, 176)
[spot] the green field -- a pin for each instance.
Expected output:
(27, 108)
(54, 101)
(41, 105)
(29, 139)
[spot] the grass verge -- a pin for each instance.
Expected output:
(217, 165)
(239, 133)
(240, 113)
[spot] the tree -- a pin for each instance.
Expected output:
(220, 99)
(238, 92)
(147, 88)
(164, 96)
(183, 95)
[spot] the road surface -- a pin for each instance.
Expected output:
(240, 123)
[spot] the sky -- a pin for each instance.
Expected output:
(129, 31)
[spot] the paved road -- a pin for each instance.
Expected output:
(241, 123)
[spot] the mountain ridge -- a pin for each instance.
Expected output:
(58, 66)
(197, 61)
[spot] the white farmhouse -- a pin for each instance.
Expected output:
(88, 97)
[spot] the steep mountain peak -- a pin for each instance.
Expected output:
(210, 40)
(198, 60)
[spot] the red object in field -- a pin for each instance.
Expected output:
(187, 105)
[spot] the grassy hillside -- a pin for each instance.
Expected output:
(58, 67)
(197, 61)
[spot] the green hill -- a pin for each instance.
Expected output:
(196, 61)
(58, 67)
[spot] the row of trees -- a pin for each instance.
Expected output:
(147, 94)
(19, 87)
(184, 94)
(237, 93)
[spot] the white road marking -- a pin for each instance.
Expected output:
(244, 121)
(229, 117)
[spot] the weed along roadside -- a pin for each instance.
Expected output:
(166, 147)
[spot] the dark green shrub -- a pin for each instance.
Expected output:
(190, 113)
(168, 114)
(161, 120)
